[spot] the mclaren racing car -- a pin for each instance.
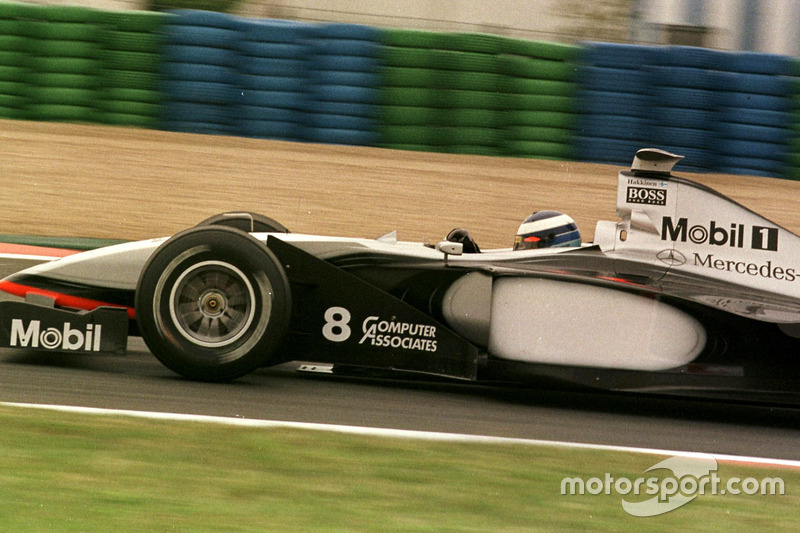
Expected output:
(688, 292)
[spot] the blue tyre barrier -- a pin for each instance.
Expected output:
(279, 99)
(273, 83)
(613, 79)
(204, 55)
(202, 92)
(188, 126)
(347, 122)
(614, 55)
(700, 138)
(278, 114)
(349, 63)
(186, 35)
(612, 103)
(270, 129)
(755, 101)
(612, 127)
(286, 50)
(752, 149)
(198, 72)
(755, 63)
(690, 57)
(272, 66)
(751, 132)
(210, 19)
(345, 78)
(756, 117)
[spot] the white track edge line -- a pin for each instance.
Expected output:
(399, 433)
(29, 257)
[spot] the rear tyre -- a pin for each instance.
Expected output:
(246, 221)
(213, 303)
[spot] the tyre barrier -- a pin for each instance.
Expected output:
(410, 79)
(201, 46)
(130, 92)
(754, 115)
(64, 64)
(611, 128)
(442, 92)
(725, 111)
(539, 86)
(207, 72)
(792, 125)
(343, 77)
(14, 31)
(273, 55)
(685, 99)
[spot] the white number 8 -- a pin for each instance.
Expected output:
(336, 328)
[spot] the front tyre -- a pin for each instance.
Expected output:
(246, 221)
(213, 303)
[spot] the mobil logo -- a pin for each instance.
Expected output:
(713, 233)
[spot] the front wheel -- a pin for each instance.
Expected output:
(213, 303)
(246, 221)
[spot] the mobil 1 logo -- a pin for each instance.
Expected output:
(715, 234)
(764, 238)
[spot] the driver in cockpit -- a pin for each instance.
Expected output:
(546, 229)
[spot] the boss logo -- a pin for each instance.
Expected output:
(646, 195)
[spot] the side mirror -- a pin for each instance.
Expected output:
(450, 248)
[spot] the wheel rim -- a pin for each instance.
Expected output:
(212, 304)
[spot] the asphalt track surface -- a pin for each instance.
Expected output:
(137, 381)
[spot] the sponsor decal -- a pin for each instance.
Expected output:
(391, 334)
(379, 332)
(671, 257)
(67, 338)
(766, 270)
(646, 195)
(715, 234)
(646, 182)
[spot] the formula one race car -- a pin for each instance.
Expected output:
(689, 292)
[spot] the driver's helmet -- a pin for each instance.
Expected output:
(545, 229)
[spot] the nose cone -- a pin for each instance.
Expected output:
(86, 280)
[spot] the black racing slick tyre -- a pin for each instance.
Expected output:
(213, 303)
(246, 221)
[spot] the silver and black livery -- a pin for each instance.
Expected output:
(689, 292)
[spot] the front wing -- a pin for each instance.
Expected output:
(40, 326)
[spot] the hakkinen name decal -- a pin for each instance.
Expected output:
(646, 182)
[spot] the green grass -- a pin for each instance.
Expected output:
(69, 472)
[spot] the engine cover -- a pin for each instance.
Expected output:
(539, 320)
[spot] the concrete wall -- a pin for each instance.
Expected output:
(534, 19)
(773, 29)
